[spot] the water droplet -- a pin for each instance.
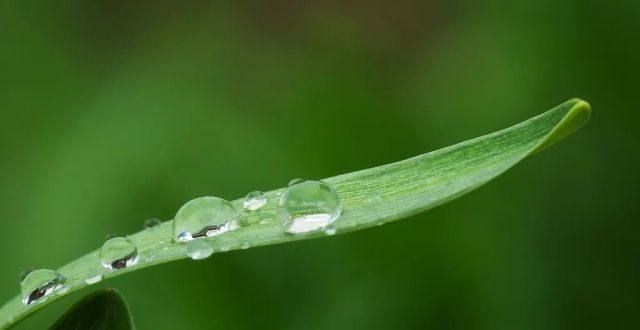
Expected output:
(93, 279)
(118, 252)
(330, 230)
(295, 181)
(150, 223)
(245, 245)
(39, 284)
(307, 206)
(204, 217)
(254, 200)
(199, 249)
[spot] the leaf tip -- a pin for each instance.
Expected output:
(582, 106)
(576, 113)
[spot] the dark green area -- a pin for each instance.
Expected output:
(114, 112)
(101, 310)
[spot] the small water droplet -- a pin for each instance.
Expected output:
(199, 249)
(330, 230)
(245, 245)
(204, 217)
(308, 206)
(93, 279)
(117, 253)
(254, 200)
(295, 181)
(150, 223)
(39, 284)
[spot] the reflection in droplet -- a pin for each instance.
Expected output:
(39, 284)
(204, 217)
(117, 253)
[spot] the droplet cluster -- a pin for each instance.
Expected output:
(304, 206)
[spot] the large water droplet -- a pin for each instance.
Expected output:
(199, 249)
(39, 284)
(150, 223)
(254, 200)
(308, 206)
(118, 252)
(203, 217)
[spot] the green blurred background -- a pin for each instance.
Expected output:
(117, 111)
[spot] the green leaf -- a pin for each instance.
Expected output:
(101, 310)
(369, 197)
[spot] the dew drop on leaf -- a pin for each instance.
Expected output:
(203, 217)
(39, 284)
(117, 253)
(254, 200)
(307, 206)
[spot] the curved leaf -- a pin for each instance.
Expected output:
(369, 197)
(101, 310)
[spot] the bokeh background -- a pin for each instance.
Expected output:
(113, 112)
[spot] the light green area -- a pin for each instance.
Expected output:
(370, 197)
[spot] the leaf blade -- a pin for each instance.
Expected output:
(100, 310)
(370, 197)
